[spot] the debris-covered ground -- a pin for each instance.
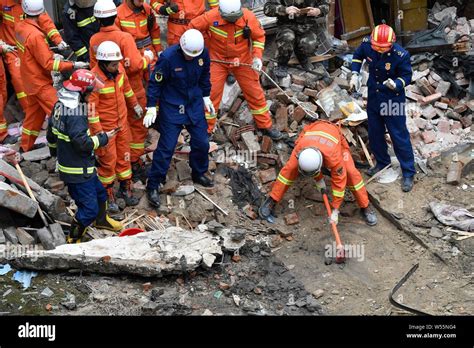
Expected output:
(253, 267)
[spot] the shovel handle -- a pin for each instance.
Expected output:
(32, 196)
(333, 225)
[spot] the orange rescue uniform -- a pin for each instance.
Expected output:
(37, 62)
(178, 21)
(135, 65)
(328, 138)
(3, 101)
(11, 14)
(227, 43)
(109, 111)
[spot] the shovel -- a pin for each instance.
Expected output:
(340, 252)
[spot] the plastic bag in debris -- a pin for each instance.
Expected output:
(453, 216)
(4, 269)
(24, 277)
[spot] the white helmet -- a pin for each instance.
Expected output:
(229, 6)
(310, 161)
(105, 9)
(192, 42)
(32, 7)
(109, 51)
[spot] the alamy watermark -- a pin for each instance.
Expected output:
(243, 157)
(13, 251)
(394, 108)
(351, 251)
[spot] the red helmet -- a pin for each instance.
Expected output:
(382, 37)
(83, 81)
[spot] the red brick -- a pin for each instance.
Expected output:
(267, 175)
(311, 92)
(443, 126)
(267, 144)
(272, 93)
(292, 219)
(421, 122)
(466, 121)
(460, 108)
(267, 158)
(248, 210)
(413, 96)
(299, 114)
(281, 118)
(282, 98)
(235, 106)
(430, 99)
(445, 100)
(456, 125)
(428, 137)
(298, 80)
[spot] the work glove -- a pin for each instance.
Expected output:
(6, 48)
(321, 186)
(257, 64)
(62, 45)
(169, 9)
(138, 111)
(150, 117)
(390, 84)
(355, 83)
(81, 65)
(149, 54)
(334, 216)
(292, 10)
(209, 106)
(58, 56)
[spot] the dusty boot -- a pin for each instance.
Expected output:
(125, 192)
(266, 208)
(281, 71)
(407, 184)
(374, 170)
(273, 133)
(106, 222)
(9, 140)
(77, 231)
(203, 181)
(138, 171)
(112, 205)
(370, 216)
(153, 197)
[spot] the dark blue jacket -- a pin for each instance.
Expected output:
(179, 86)
(394, 64)
(79, 25)
(69, 138)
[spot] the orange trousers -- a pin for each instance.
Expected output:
(3, 101)
(114, 159)
(249, 82)
(12, 63)
(355, 182)
(39, 105)
(138, 132)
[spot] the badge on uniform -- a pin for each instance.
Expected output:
(388, 66)
(158, 77)
(178, 69)
(201, 62)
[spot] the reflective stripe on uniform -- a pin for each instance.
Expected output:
(86, 22)
(143, 22)
(81, 51)
(107, 90)
(210, 116)
(125, 175)
(357, 187)
(75, 170)
(20, 46)
(3, 126)
(129, 94)
(284, 180)
(106, 180)
(213, 3)
(21, 95)
(53, 32)
(169, 10)
(155, 5)
(56, 64)
(128, 24)
(95, 140)
(61, 136)
(121, 81)
(218, 31)
(145, 63)
(322, 134)
(53, 146)
(356, 61)
(258, 44)
(339, 194)
(156, 41)
(403, 81)
(94, 119)
(259, 111)
(30, 132)
(137, 146)
(8, 17)
(239, 33)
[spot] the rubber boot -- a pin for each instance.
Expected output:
(138, 171)
(125, 192)
(77, 231)
(112, 205)
(106, 222)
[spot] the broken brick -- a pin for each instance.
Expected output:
(267, 144)
(311, 92)
(292, 219)
(456, 125)
(454, 173)
(267, 175)
(440, 105)
(466, 121)
(298, 80)
(272, 93)
(413, 96)
(430, 99)
(421, 122)
(460, 108)
(248, 210)
(267, 158)
(281, 118)
(235, 107)
(299, 114)
(443, 126)
(428, 136)
(429, 112)
(443, 88)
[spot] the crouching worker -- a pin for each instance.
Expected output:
(69, 138)
(321, 144)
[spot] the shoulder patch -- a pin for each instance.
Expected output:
(158, 76)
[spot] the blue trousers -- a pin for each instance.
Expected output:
(198, 158)
(87, 196)
(396, 126)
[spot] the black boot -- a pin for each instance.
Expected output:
(112, 205)
(138, 171)
(266, 208)
(374, 170)
(125, 192)
(9, 140)
(369, 215)
(407, 184)
(203, 181)
(106, 222)
(273, 133)
(76, 232)
(281, 71)
(153, 197)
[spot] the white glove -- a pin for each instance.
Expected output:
(62, 45)
(150, 117)
(81, 65)
(209, 106)
(257, 64)
(138, 111)
(320, 185)
(149, 54)
(334, 216)
(390, 84)
(355, 83)
(6, 48)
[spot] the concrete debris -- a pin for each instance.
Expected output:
(47, 292)
(183, 190)
(149, 254)
(69, 301)
(229, 243)
(2, 237)
(37, 155)
(10, 235)
(454, 173)
(15, 200)
(251, 142)
(24, 238)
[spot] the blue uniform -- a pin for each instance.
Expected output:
(69, 139)
(179, 85)
(386, 108)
